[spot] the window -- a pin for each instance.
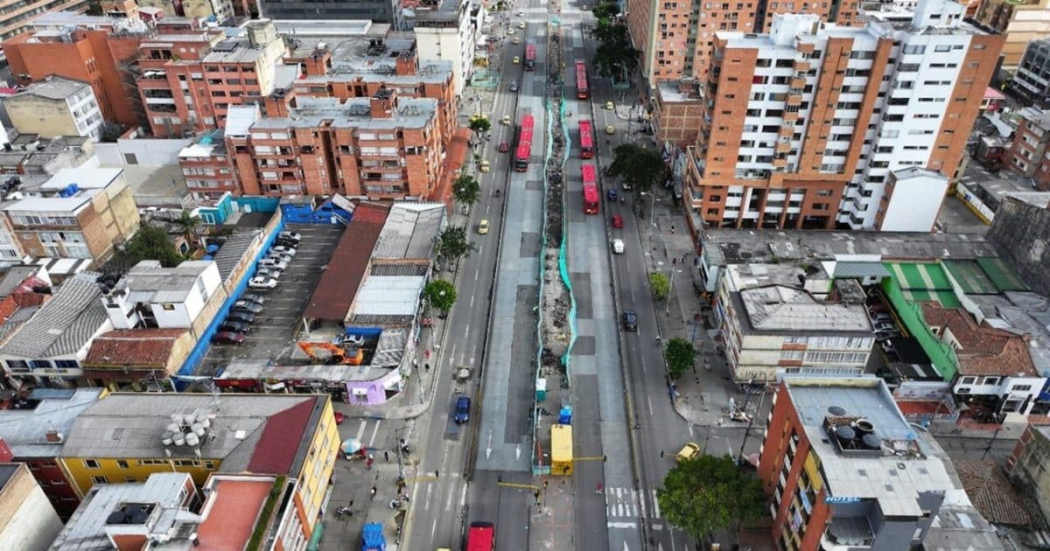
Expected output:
(99, 480)
(969, 380)
(122, 464)
(990, 381)
(168, 306)
(1020, 388)
(91, 464)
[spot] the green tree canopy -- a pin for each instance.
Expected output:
(605, 12)
(189, 225)
(707, 493)
(660, 285)
(452, 243)
(440, 294)
(640, 167)
(479, 124)
(679, 354)
(466, 190)
(151, 243)
(614, 56)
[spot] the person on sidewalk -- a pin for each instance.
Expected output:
(598, 490)
(368, 463)
(374, 491)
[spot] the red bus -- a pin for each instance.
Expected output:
(524, 151)
(590, 190)
(582, 91)
(481, 537)
(530, 56)
(586, 139)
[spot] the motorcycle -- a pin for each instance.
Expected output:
(343, 510)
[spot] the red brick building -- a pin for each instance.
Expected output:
(1028, 154)
(382, 147)
(844, 468)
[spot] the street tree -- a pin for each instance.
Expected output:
(452, 244)
(440, 294)
(703, 495)
(660, 285)
(680, 355)
(189, 225)
(466, 190)
(479, 125)
(641, 167)
(606, 12)
(614, 57)
(151, 243)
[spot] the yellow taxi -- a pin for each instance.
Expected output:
(484, 165)
(517, 40)
(688, 451)
(610, 130)
(517, 60)
(483, 226)
(609, 105)
(506, 120)
(521, 25)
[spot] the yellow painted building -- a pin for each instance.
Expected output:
(128, 436)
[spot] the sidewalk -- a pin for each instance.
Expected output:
(703, 395)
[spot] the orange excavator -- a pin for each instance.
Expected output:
(330, 354)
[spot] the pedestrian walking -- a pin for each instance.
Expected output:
(386, 456)
(368, 463)
(672, 228)
(426, 366)
(598, 490)
(437, 473)
(374, 492)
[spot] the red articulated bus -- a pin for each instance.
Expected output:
(530, 56)
(590, 190)
(524, 151)
(481, 537)
(586, 139)
(582, 91)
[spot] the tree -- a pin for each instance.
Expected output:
(707, 493)
(440, 294)
(679, 354)
(660, 285)
(641, 167)
(452, 243)
(614, 56)
(466, 190)
(151, 243)
(479, 125)
(605, 12)
(189, 224)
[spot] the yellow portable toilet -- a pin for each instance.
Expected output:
(561, 450)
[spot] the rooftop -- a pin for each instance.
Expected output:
(335, 292)
(25, 430)
(724, 246)
(353, 113)
(63, 325)
(7, 470)
(299, 28)
(55, 88)
(672, 91)
(894, 480)
(388, 298)
(149, 282)
(15, 278)
(982, 349)
(234, 505)
(233, 251)
(410, 231)
(148, 347)
(160, 498)
(69, 190)
(784, 309)
(258, 433)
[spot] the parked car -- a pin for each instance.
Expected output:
(462, 414)
(885, 335)
(630, 320)
(274, 263)
(282, 249)
(294, 236)
(262, 282)
(235, 327)
(287, 259)
(254, 297)
(284, 242)
(246, 317)
(227, 337)
(339, 417)
(247, 306)
(688, 451)
(885, 326)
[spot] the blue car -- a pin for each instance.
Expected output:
(610, 194)
(462, 414)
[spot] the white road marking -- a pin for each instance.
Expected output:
(372, 440)
(630, 525)
(361, 429)
(656, 506)
(433, 528)
(650, 400)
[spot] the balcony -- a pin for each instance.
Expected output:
(790, 116)
(786, 131)
(783, 146)
(797, 82)
(801, 66)
(780, 162)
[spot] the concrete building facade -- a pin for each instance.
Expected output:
(56, 107)
(27, 519)
(1019, 21)
(1021, 231)
(1027, 155)
(218, 12)
(19, 16)
(446, 30)
(805, 126)
(676, 37)
(1032, 78)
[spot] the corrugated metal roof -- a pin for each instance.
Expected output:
(410, 231)
(233, 251)
(64, 324)
(860, 269)
(335, 292)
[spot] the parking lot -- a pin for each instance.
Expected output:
(271, 333)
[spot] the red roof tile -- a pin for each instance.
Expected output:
(280, 440)
(983, 349)
(991, 493)
(335, 292)
(236, 506)
(133, 348)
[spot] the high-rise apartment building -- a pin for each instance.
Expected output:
(813, 126)
(676, 36)
(445, 30)
(188, 81)
(1020, 21)
(17, 17)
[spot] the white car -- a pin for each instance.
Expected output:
(274, 263)
(262, 283)
(293, 235)
(286, 258)
(281, 249)
(617, 245)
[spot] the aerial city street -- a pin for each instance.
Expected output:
(524, 275)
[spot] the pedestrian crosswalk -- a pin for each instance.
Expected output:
(628, 503)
